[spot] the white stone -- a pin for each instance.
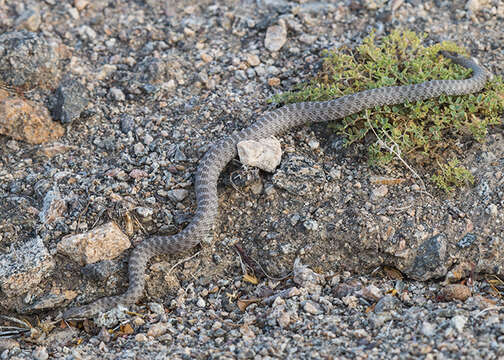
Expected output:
(458, 322)
(265, 154)
(276, 36)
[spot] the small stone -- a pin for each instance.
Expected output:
(138, 321)
(310, 225)
(71, 99)
(374, 4)
(127, 123)
(264, 154)
(81, 4)
(455, 292)
(284, 319)
(253, 60)
(492, 210)
(29, 20)
(117, 94)
(141, 337)
(189, 32)
(156, 308)
(308, 39)
(158, 329)
(74, 13)
(379, 192)
(458, 322)
(428, 329)
(276, 36)
(311, 307)
(40, 353)
(177, 195)
(274, 81)
(87, 33)
(473, 5)
(351, 301)
(201, 303)
(314, 144)
(144, 212)
(148, 139)
(206, 58)
(138, 149)
(240, 75)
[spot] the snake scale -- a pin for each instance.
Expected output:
(269, 124)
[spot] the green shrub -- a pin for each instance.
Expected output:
(425, 133)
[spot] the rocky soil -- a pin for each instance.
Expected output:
(106, 108)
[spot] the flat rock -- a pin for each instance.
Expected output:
(102, 243)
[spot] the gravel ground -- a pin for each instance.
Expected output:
(142, 89)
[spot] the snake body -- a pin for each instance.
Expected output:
(269, 124)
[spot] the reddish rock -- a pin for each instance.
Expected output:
(26, 120)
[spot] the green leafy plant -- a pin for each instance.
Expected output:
(423, 132)
(451, 176)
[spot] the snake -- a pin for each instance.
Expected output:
(269, 124)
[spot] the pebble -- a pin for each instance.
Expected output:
(158, 329)
(117, 94)
(312, 308)
(156, 308)
(276, 37)
(379, 192)
(40, 353)
(274, 81)
(428, 329)
(71, 99)
(253, 60)
(141, 337)
(458, 322)
(177, 195)
(455, 292)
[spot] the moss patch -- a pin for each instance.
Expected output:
(426, 134)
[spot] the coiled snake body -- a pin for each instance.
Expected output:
(269, 124)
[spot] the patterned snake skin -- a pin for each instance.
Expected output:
(269, 124)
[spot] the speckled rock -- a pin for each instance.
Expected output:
(24, 267)
(103, 243)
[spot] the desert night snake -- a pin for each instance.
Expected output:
(269, 124)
